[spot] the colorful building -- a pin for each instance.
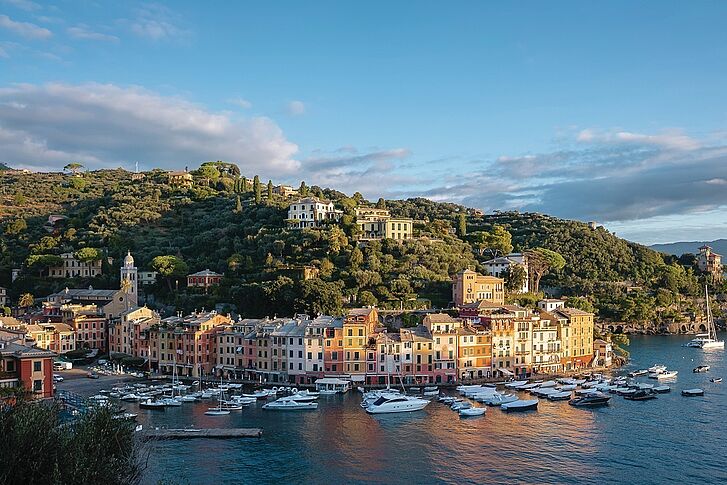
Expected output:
(576, 338)
(24, 366)
(470, 287)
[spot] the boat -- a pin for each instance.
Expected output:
(217, 412)
(188, 398)
(641, 395)
(661, 389)
(716, 379)
(707, 340)
(304, 398)
(289, 404)
(515, 384)
(701, 368)
(150, 404)
(567, 387)
(637, 373)
(129, 397)
(656, 368)
(520, 405)
(431, 393)
(547, 384)
(415, 389)
(498, 399)
(543, 392)
(172, 401)
(472, 412)
(559, 396)
(431, 388)
(457, 405)
(396, 404)
(590, 401)
(229, 406)
(527, 387)
(693, 392)
(669, 374)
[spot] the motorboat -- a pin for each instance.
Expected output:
(661, 389)
(656, 368)
(716, 379)
(670, 374)
(590, 401)
(515, 384)
(172, 401)
(707, 340)
(547, 384)
(559, 396)
(527, 387)
(472, 412)
(229, 406)
(151, 404)
(641, 395)
(129, 397)
(457, 405)
(415, 389)
(499, 399)
(431, 393)
(304, 398)
(289, 404)
(567, 387)
(637, 373)
(520, 405)
(188, 398)
(540, 392)
(396, 404)
(243, 401)
(431, 388)
(701, 368)
(693, 392)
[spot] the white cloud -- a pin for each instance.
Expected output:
(296, 108)
(667, 139)
(26, 5)
(103, 125)
(157, 22)
(241, 103)
(84, 33)
(24, 29)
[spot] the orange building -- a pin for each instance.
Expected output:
(474, 347)
(470, 287)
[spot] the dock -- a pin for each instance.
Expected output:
(196, 433)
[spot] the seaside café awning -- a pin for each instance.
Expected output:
(505, 372)
(331, 380)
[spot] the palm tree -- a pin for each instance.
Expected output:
(26, 301)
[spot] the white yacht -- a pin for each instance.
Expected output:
(707, 340)
(396, 404)
(289, 404)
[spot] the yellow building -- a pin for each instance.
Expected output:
(470, 287)
(378, 224)
(474, 346)
(57, 337)
(360, 323)
(576, 337)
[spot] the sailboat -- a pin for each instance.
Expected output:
(220, 410)
(707, 340)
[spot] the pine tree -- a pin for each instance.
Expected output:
(238, 207)
(257, 189)
(303, 190)
(245, 186)
(270, 190)
(462, 226)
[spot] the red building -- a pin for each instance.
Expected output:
(204, 279)
(27, 367)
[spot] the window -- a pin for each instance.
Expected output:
(37, 385)
(37, 366)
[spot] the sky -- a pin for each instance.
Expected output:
(611, 112)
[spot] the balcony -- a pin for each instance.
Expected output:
(522, 352)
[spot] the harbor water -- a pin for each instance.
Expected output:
(668, 439)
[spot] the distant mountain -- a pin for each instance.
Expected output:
(679, 248)
(4, 167)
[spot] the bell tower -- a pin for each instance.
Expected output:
(128, 272)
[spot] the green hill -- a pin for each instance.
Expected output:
(221, 224)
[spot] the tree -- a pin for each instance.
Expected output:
(270, 190)
(279, 247)
(26, 301)
(257, 190)
(41, 446)
(462, 226)
(245, 184)
(514, 276)
(41, 262)
(303, 189)
(337, 239)
(208, 172)
(16, 227)
(381, 203)
(498, 242)
(356, 259)
(326, 268)
(169, 267)
(73, 167)
(238, 205)
(366, 298)
(540, 262)
(87, 255)
(320, 298)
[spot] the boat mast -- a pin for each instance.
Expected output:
(711, 333)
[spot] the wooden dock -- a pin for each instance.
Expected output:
(196, 433)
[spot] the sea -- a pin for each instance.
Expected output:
(671, 439)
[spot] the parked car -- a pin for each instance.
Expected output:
(57, 378)
(92, 375)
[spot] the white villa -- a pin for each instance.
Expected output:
(498, 266)
(311, 212)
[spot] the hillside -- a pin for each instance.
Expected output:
(232, 225)
(691, 247)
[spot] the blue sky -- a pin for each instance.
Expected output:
(612, 112)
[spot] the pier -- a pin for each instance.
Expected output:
(210, 433)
